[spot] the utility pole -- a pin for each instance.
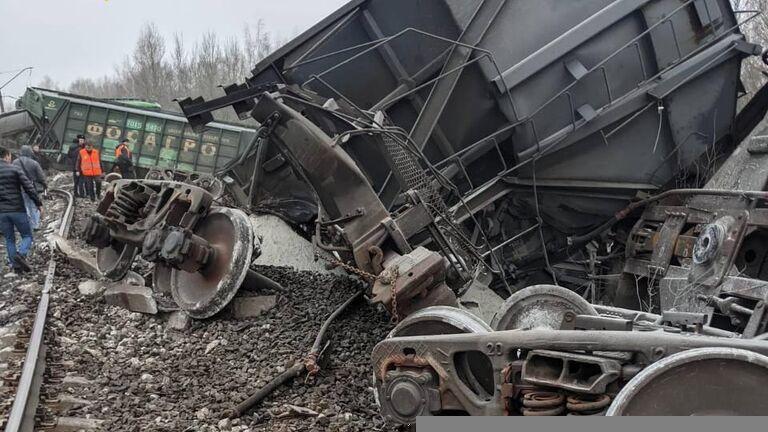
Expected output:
(2, 105)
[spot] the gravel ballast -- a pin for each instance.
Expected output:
(145, 375)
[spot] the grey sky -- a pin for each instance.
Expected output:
(67, 39)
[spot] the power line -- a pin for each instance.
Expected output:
(11, 71)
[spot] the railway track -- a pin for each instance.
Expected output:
(23, 413)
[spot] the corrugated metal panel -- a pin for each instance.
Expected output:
(158, 139)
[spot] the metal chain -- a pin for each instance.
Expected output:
(365, 275)
(347, 267)
(395, 314)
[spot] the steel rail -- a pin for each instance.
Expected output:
(20, 418)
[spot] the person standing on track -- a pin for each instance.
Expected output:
(40, 157)
(36, 175)
(73, 155)
(89, 165)
(13, 215)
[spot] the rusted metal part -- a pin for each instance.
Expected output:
(646, 347)
(413, 281)
(202, 253)
(758, 320)
(567, 371)
(702, 256)
(665, 246)
(340, 186)
(135, 215)
(403, 361)
(352, 220)
(539, 403)
(586, 404)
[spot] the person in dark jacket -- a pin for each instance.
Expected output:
(73, 156)
(36, 175)
(40, 157)
(13, 215)
(124, 163)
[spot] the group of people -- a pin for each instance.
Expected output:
(22, 182)
(86, 166)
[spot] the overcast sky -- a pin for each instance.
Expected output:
(67, 39)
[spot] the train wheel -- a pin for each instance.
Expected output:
(439, 320)
(161, 278)
(115, 260)
(474, 367)
(113, 176)
(204, 293)
(700, 382)
(539, 306)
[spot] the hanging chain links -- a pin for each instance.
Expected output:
(367, 276)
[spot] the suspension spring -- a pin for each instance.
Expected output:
(542, 403)
(587, 405)
(125, 207)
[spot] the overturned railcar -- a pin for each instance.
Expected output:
(542, 114)
(15, 128)
(582, 159)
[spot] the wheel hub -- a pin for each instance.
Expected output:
(539, 306)
(204, 292)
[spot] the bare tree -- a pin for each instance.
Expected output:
(233, 62)
(181, 68)
(206, 69)
(148, 68)
(85, 87)
(257, 43)
(48, 83)
(161, 71)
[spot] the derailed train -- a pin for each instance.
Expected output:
(584, 159)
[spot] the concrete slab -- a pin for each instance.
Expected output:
(250, 307)
(91, 288)
(77, 257)
(75, 424)
(178, 320)
(131, 297)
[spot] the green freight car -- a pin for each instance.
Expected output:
(158, 139)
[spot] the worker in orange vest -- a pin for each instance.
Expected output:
(89, 165)
(123, 145)
(123, 160)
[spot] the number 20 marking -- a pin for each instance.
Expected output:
(494, 349)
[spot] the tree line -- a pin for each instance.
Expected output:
(162, 70)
